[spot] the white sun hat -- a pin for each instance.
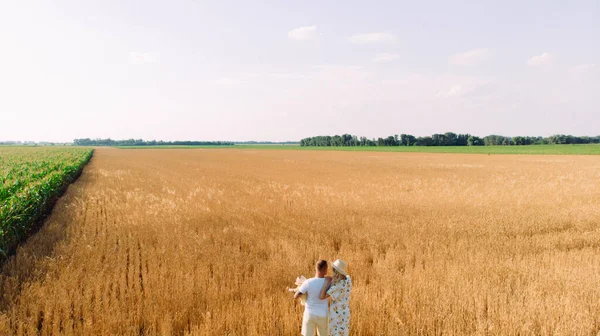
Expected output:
(300, 280)
(340, 266)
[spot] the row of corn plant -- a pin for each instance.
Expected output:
(31, 179)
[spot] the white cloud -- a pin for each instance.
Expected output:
(582, 68)
(227, 81)
(303, 33)
(139, 57)
(372, 38)
(385, 57)
(542, 60)
(464, 87)
(454, 91)
(471, 57)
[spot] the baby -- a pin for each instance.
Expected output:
(299, 281)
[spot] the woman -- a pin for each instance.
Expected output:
(338, 288)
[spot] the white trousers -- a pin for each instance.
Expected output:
(310, 323)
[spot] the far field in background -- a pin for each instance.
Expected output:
(205, 242)
(587, 149)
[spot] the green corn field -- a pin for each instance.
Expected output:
(31, 179)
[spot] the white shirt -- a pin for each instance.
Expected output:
(314, 305)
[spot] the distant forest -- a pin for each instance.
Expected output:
(140, 142)
(266, 142)
(446, 139)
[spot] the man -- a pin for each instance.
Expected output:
(315, 311)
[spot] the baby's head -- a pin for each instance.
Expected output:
(300, 280)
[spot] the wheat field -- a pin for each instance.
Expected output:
(205, 242)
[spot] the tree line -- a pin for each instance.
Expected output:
(445, 139)
(266, 142)
(140, 142)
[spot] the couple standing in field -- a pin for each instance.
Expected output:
(332, 319)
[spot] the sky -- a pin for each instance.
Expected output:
(285, 70)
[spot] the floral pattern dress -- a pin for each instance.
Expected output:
(339, 309)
